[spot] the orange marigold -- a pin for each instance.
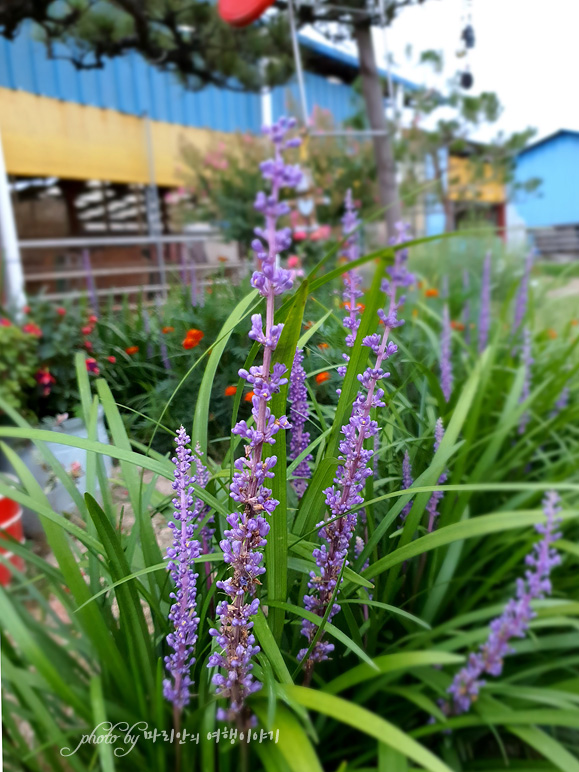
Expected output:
(249, 396)
(323, 377)
(574, 322)
(459, 326)
(431, 292)
(323, 345)
(167, 329)
(132, 350)
(230, 391)
(552, 333)
(193, 338)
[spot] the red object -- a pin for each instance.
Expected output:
(10, 525)
(241, 13)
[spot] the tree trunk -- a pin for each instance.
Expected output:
(374, 99)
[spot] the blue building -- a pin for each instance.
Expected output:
(555, 161)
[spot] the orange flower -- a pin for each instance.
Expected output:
(432, 292)
(249, 396)
(323, 345)
(165, 330)
(415, 312)
(574, 322)
(307, 325)
(459, 326)
(230, 391)
(222, 259)
(323, 377)
(132, 350)
(193, 338)
(420, 284)
(359, 306)
(552, 333)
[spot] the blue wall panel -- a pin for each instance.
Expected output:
(556, 163)
(132, 86)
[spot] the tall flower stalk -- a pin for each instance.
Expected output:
(522, 299)
(298, 416)
(515, 619)
(446, 377)
(485, 305)
(246, 537)
(345, 493)
(466, 306)
(437, 496)
(352, 278)
(527, 361)
(182, 555)
(407, 482)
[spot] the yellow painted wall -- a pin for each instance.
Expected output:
(46, 137)
(490, 191)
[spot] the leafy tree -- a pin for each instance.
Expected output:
(451, 135)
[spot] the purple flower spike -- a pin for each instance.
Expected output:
(299, 413)
(246, 538)
(407, 482)
(345, 494)
(446, 378)
(466, 307)
(527, 361)
(352, 279)
(437, 496)
(182, 556)
(485, 305)
(522, 298)
(561, 403)
(516, 616)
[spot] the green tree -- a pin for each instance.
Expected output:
(452, 136)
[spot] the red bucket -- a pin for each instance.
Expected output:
(10, 526)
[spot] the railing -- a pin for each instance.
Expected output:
(180, 259)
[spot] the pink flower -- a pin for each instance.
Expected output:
(300, 235)
(322, 233)
(5, 322)
(293, 261)
(45, 379)
(32, 329)
(61, 311)
(75, 470)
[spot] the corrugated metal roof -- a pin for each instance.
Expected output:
(549, 138)
(130, 85)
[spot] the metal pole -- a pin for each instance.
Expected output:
(154, 219)
(298, 61)
(13, 272)
(388, 73)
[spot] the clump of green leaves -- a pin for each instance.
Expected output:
(18, 364)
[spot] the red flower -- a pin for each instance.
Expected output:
(112, 360)
(458, 326)
(32, 329)
(87, 329)
(165, 330)
(45, 379)
(61, 311)
(300, 235)
(193, 338)
(323, 377)
(249, 396)
(322, 233)
(26, 309)
(93, 319)
(92, 366)
(131, 350)
(88, 345)
(5, 322)
(230, 391)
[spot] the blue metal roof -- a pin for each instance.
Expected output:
(549, 138)
(130, 85)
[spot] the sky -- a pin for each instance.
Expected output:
(526, 51)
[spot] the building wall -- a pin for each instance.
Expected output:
(556, 163)
(339, 98)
